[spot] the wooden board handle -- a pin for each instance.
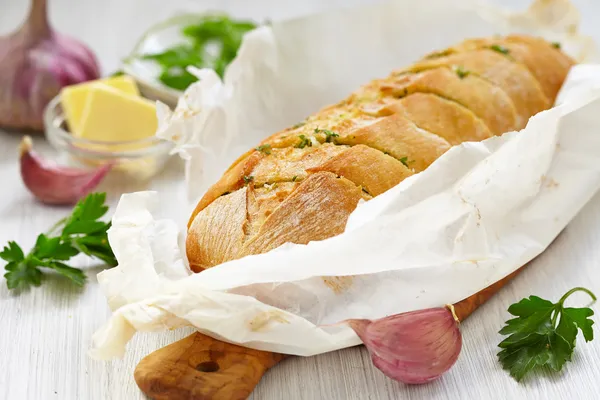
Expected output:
(201, 368)
(466, 307)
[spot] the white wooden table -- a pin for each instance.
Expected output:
(45, 332)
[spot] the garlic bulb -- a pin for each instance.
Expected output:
(53, 184)
(414, 347)
(35, 63)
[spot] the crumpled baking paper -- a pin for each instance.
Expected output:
(475, 215)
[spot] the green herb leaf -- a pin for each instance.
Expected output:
(248, 179)
(212, 42)
(265, 148)
(542, 334)
(500, 49)
(530, 311)
(304, 141)
(177, 78)
(45, 247)
(81, 232)
(580, 317)
(461, 72)
(85, 227)
(89, 208)
(299, 124)
(329, 135)
(294, 178)
(96, 246)
(404, 160)
(556, 45)
(438, 54)
(178, 56)
(525, 355)
(22, 274)
(74, 274)
(12, 252)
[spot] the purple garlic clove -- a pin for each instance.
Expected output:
(35, 63)
(53, 184)
(413, 347)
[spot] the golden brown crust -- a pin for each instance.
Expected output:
(316, 210)
(397, 136)
(445, 118)
(546, 63)
(338, 119)
(368, 168)
(291, 163)
(232, 180)
(513, 78)
(487, 101)
(304, 181)
(224, 219)
(263, 201)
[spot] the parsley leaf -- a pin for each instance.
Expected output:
(404, 160)
(22, 274)
(542, 334)
(556, 45)
(461, 72)
(438, 54)
(12, 252)
(298, 125)
(211, 42)
(89, 208)
(265, 148)
(81, 232)
(76, 275)
(500, 49)
(581, 318)
(304, 141)
(329, 135)
(248, 179)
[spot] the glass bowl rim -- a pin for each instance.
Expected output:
(152, 144)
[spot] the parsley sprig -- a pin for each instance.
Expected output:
(264, 148)
(304, 141)
(543, 334)
(212, 42)
(461, 71)
(81, 232)
(500, 49)
(329, 134)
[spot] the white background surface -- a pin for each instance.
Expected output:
(45, 332)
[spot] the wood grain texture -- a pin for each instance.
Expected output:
(46, 332)
(464, 308)
(202, 368)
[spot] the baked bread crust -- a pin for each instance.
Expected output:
(301, 184)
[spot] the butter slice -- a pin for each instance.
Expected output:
(113, 116)
(74, 97)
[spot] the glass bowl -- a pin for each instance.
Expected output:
(137, 159)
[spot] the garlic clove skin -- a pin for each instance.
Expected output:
(35, 63)
(414, 347)
(53, 184)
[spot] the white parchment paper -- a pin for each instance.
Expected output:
(475, 215)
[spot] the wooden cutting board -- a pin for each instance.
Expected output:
(202, 368)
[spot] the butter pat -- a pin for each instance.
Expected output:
(113, 116)
(74, 98)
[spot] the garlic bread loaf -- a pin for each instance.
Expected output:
(301, 184)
